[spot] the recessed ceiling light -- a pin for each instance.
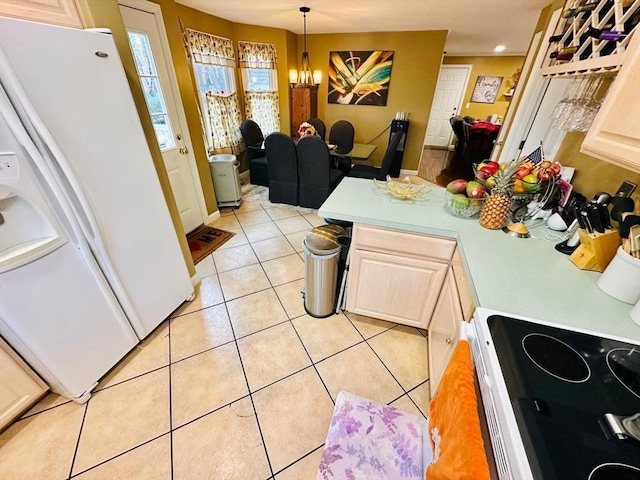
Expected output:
(500, 48)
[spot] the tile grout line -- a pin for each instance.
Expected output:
(119, 455)
(170, 401)
(75, 451)
(253, 405)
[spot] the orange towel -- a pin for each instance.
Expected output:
(454, 426)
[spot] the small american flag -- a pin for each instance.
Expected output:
(536, 156)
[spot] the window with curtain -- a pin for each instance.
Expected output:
(258, 63)
(213, 62)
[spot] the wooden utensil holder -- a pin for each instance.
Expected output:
(596, 249)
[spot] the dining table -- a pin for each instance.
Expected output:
(360, 151)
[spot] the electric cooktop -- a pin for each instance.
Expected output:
(576, 399)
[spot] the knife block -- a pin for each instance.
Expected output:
(596, 250)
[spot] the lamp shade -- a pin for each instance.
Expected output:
(317, 77)
(293, 76)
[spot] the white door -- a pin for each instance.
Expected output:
(165, 108)
(447, 99)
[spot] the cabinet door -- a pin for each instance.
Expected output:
(20, 387)
(614, 135)
(393, 288)
(443, 331)
(463, 286)
(58, 12)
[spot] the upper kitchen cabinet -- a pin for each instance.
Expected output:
(58, 12)
(614, 135)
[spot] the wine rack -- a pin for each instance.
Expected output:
(591, 37)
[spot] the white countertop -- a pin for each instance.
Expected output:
(512, 275)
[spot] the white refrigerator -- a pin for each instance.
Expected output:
(90, 262)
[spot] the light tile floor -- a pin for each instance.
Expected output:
(238, 384)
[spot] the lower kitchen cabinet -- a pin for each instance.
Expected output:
(394, 288)
(395, 275)
(443, 330)
(20, 387)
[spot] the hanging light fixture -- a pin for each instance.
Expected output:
(304, 77)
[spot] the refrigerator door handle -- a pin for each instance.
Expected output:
(73, 192)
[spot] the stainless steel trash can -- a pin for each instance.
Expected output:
(322, 247)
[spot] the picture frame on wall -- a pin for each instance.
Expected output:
(359, 77)
(486, 89)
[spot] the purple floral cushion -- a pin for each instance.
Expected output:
(370, 440)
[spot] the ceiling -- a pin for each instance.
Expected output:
(475, 26)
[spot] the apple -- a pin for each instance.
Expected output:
(487, 171)
(554, 169)
(457, 186)
(475, 190)
(522, 171)
(494, 165)
(545, 164)
(543, 175)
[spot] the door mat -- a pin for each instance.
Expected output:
(206, 240)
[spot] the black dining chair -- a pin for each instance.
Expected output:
(381, 172)
(253, 137)
(341, 135)
(318, 124)
(317, 178)
(282, 163)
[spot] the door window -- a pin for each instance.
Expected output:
(156, 104)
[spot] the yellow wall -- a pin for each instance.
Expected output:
(416, 64)
(106, 13)
(593, 175)
(494, 66)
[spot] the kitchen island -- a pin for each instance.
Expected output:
(519, 276)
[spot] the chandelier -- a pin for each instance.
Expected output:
(304, 77)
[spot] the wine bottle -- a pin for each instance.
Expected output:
(566, 53)
(612, 35)
(556, 38)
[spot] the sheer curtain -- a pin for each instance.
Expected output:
(223, 118)
(261, 101)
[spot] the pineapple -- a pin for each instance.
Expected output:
(496, 208)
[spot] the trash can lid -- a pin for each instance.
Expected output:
(222, 157)
(324, 240)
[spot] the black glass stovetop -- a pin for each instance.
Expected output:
(561, 384)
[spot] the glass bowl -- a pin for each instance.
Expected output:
(459, 205)
(401, 189)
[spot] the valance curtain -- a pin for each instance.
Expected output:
(209, 49)
(257, 55)
(260, 105)
(223, 111)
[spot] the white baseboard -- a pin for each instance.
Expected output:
(214, 216)
(404, 173)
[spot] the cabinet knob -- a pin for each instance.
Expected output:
(184, 150)
(449, 341)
